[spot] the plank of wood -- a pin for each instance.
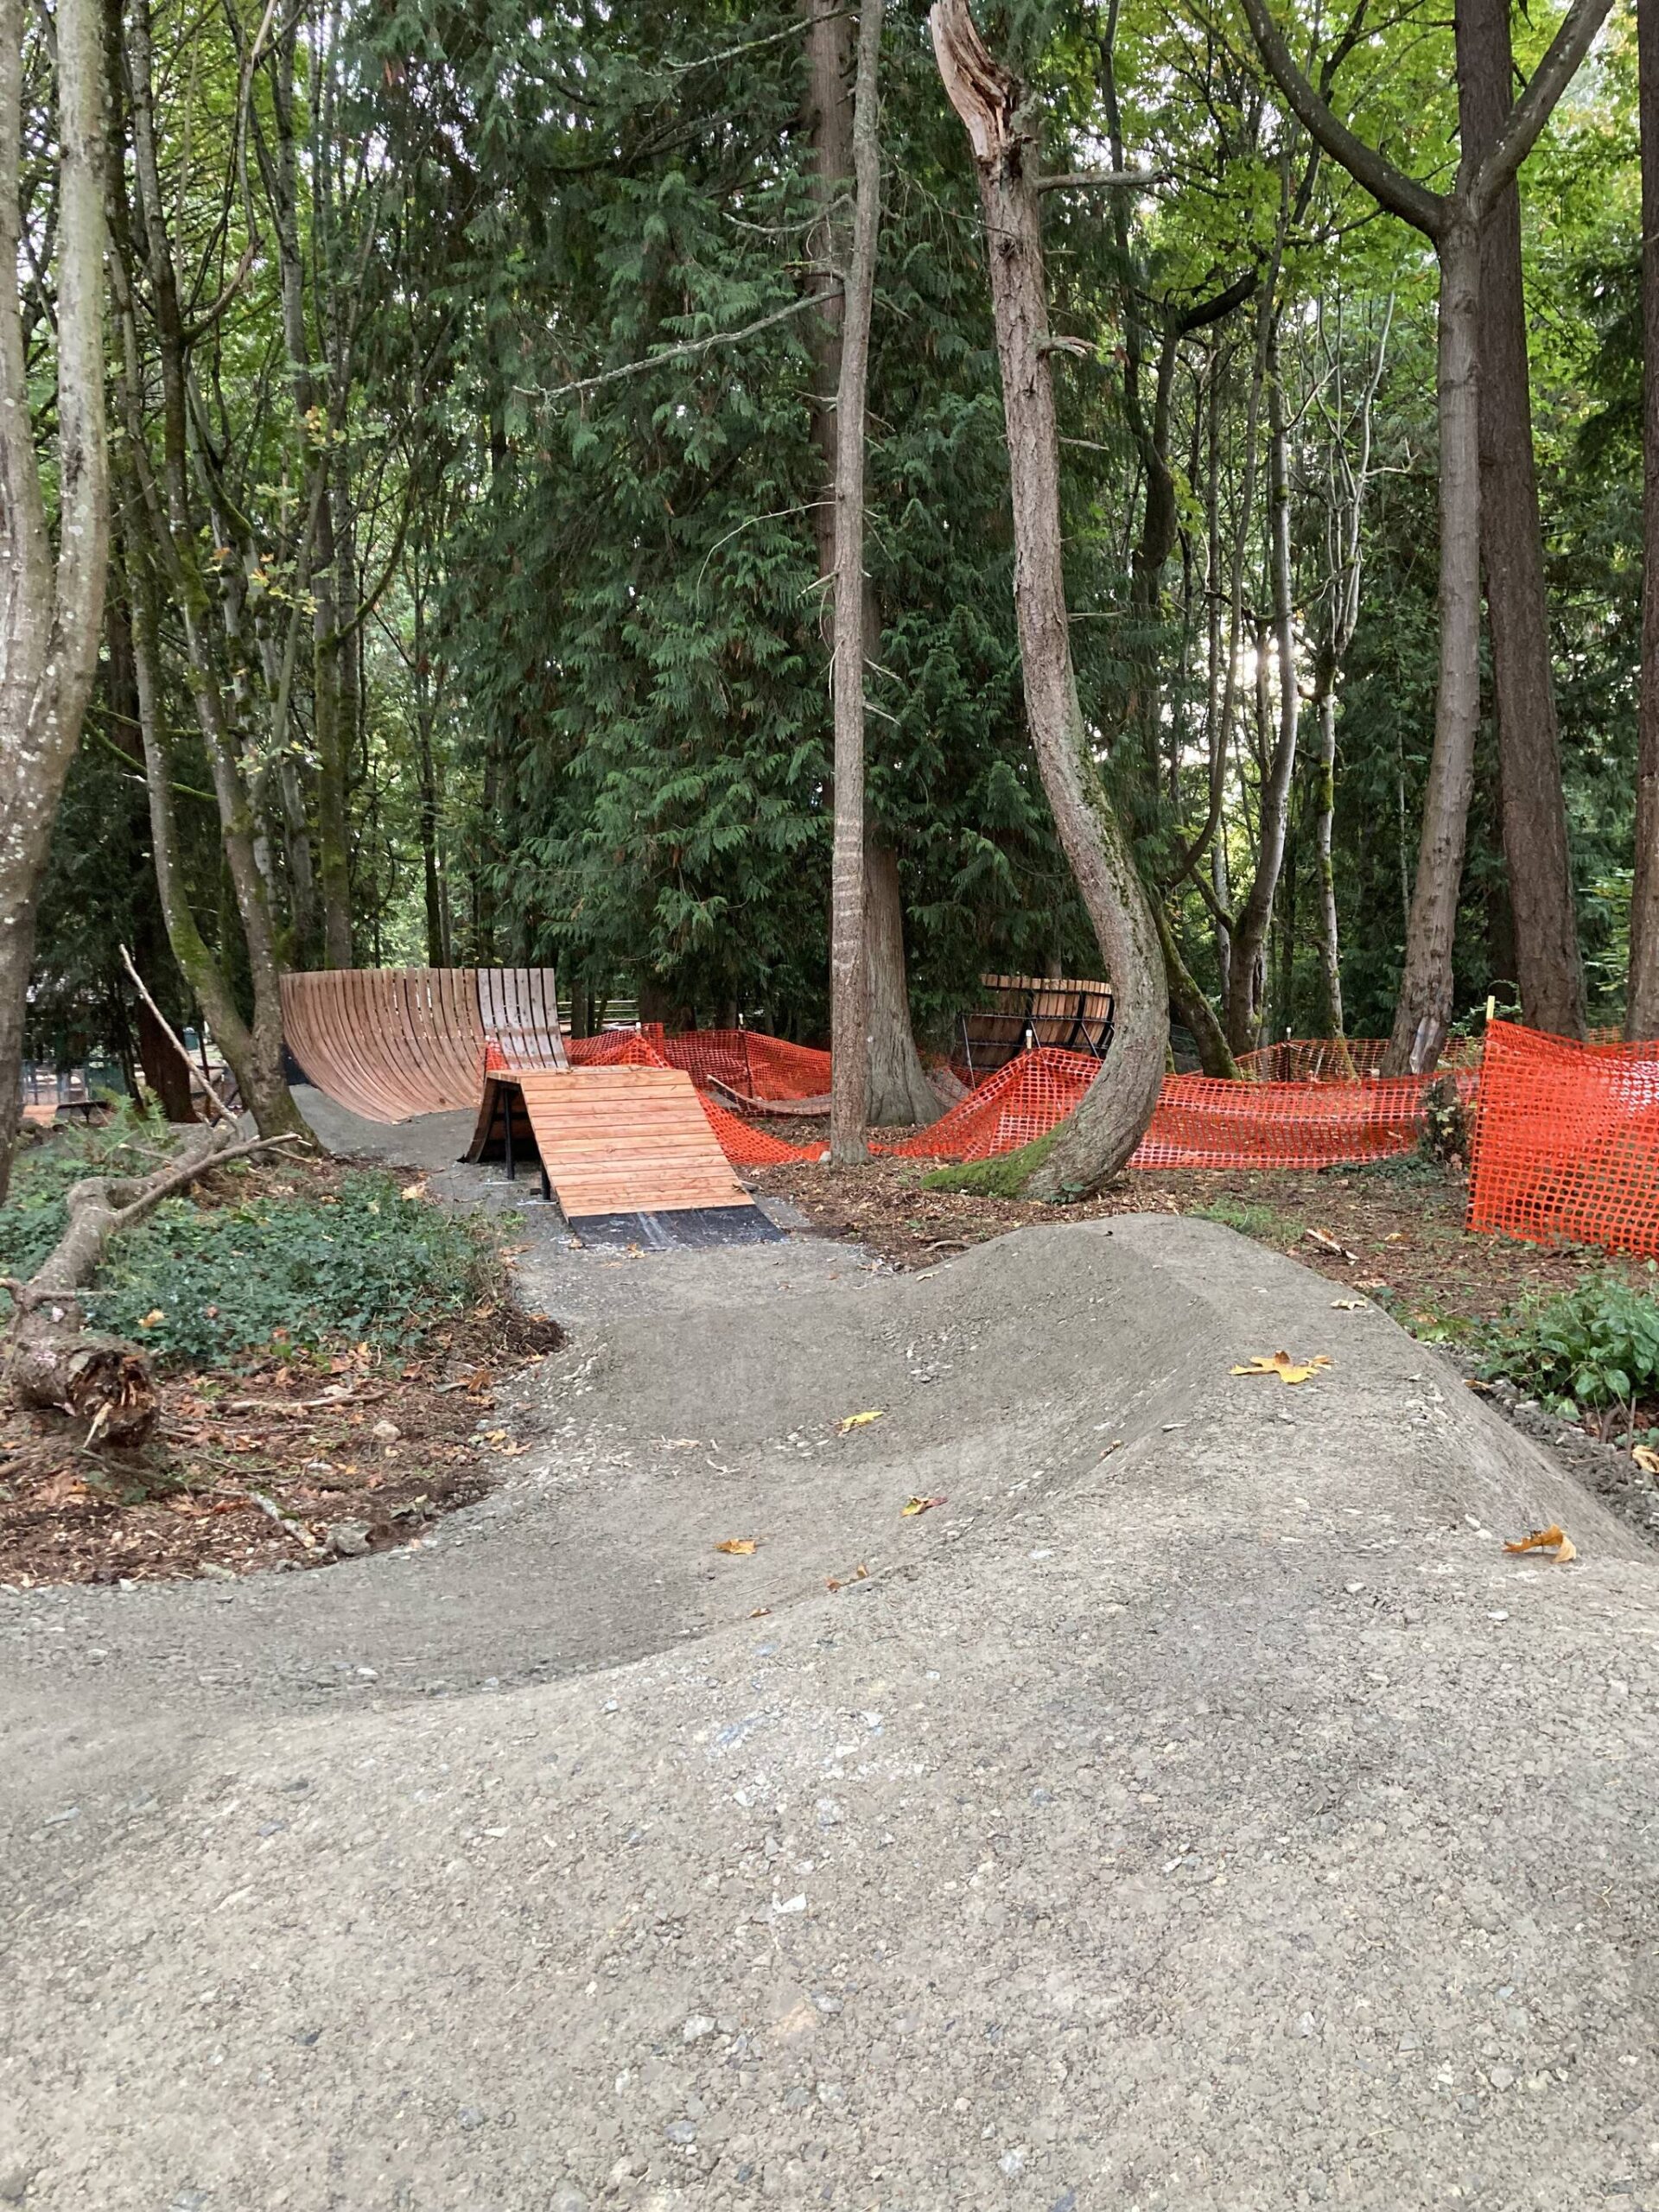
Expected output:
(627, 1141)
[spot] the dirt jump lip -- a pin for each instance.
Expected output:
(1196, 1808)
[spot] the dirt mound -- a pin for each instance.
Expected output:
(1198, 1808)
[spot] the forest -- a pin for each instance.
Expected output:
(777, 511)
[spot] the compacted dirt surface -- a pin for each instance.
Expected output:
(1191, 1805)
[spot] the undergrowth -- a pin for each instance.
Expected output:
(247, 1263)
(1261, 1222)
(1003, 1176)
(32, 1219)
(1594, 1345)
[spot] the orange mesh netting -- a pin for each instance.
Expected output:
(1567, 1141)
(1314, 1121)
(1204, 1123)
(1341, 1059)
(768, 1071)
(1021, 1101)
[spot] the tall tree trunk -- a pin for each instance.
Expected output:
(51, 611)
(899, 1091)
(1330, 1021)
(849, 1094)
(1247, 980)
(1454, 221)
(1423, 1011)
(1096, 1141)
(1641, 1015)
(1511, 544)
(897, 1083)
(175, 536)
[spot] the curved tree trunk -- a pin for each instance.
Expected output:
(1095, 1141)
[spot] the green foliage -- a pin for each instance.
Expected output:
(1261, 1222)
(356, 1262)
(1597, 1344)
(360, 1263)
(1004, 1176)
(33, 1219)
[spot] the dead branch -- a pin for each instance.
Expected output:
(176, 1040)
(54, 1360)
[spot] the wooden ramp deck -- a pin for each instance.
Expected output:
(627, 1152)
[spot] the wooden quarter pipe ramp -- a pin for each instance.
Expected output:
(389, 1043)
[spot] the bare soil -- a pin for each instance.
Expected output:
(1396, 1227)
(293, 1460)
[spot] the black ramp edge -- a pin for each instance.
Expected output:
(686, 1228)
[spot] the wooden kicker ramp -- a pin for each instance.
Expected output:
(389, 1043)
(627, 1152)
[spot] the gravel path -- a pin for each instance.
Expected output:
(1194, 1808)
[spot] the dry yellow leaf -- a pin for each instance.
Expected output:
(1554, 1540)
(860, 1573)
(738, 1546)
(153, 1318)
(859, 1420)
(1281, 1364)
(919, 1505)
(413, 1190)
(1647, 1458)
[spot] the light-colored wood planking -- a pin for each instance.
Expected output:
(627, 1141)
(388, 1043)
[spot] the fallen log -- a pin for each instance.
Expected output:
(52, 1360)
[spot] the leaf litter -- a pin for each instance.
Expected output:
(1281, 1364)
(1553, 1539)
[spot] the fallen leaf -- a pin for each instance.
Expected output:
(1554, 1538)
(918, 1505)
(1349, 1305)
(1330, 1245)
(859, 1420)
(413, 1190)
(761, 1613)
(1281, 1364)
(738, 1546)
(1647, 1458)
(153, 1319)
(860, 1573)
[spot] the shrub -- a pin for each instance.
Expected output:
(1597, 1344)
(32, 1219)
(359, 1262)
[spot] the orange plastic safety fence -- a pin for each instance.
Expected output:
(1198, 1122)
(1021, 1101)
(1567, 1141)
(744, 1061)
(1311, 1122)
(1201, 1123)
